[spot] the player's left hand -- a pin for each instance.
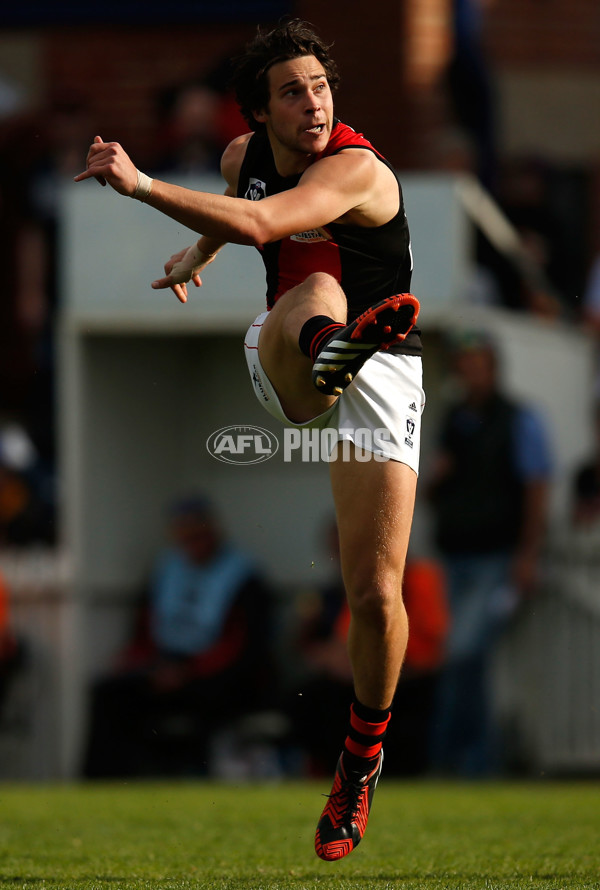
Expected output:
(181, 268)
(108, 162)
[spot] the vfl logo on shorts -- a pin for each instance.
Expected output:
(410, 429)
(257, 189)
(258, 386)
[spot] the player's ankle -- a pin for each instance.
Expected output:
(315, 333)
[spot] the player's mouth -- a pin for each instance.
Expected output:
(316, 130)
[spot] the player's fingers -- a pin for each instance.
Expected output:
(88, 174)
(85, 175)
(91, 154)
(162, 283)
(180, 290)
(197, 280)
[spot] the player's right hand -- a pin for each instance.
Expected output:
(181, 268)
(109, 162)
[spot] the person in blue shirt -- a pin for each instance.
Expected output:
(198, 659)
(489, 492)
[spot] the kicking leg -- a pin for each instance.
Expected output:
(286, 366)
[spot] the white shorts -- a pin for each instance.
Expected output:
(385, 398)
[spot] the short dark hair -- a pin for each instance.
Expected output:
(289, 40)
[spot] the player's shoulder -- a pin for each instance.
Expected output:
(348, 162)
(352, 152)
(232, 158)
(345, 137)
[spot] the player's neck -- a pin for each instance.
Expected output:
(287, 161)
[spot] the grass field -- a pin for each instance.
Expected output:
(201, 835)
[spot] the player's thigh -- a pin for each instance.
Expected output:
(374, 506)
(287, 368)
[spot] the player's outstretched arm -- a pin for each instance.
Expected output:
(328, 190)
(220, 217)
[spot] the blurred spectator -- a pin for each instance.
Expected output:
(425, 597)
(64, 126)
(26, 515)
(544, 208)
(326, 688)
(199, 658)
(591, 314)
(197, 121)
(17, 155)
(591, 297)
(586, 485)
(10, 648)
(188, 135)
(39, 148)
(471, 86)
(489, 490)
(519, 278)
(12, 97)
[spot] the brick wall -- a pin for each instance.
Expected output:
(543, 33)
(391, 64)
(121, 71)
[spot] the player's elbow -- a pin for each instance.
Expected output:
(262, 229)
(247, 231)
(257, 235)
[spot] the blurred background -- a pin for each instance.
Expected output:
(490, 111)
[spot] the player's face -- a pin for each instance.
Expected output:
(299, 116)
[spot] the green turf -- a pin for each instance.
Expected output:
(195, 835)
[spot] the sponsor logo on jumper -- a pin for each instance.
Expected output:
(242, 445)
(311, 236)
(257, 189)
(412, 407)
(410, 426)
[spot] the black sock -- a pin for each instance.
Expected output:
(367, 730)
(315, 333)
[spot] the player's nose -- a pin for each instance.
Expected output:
(312, 103)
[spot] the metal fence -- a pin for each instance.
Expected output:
(548, 666)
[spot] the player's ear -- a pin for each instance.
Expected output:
(260, 116)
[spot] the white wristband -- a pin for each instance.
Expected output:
(143, 186)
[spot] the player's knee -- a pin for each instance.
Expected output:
(377, 603)
(322, 281)
(326, 289)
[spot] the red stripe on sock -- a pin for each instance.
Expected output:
(360, 750)
(367, 728)
(319, 339)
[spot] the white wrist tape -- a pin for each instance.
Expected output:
(192, 262)
(143, 186)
